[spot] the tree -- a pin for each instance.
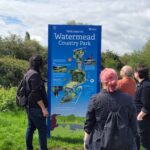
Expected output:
(131, 59)
(138, 56)
(111, 60)
(73, 22)
(27, 36)
(15, 46)
(10, 45)
(145, 54)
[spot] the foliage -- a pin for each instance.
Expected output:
(27, 36)
(111, 60)
(73, 22)
(145, 54)
(10, 45)
(15, 46)
(13, 126)
(138, 56)
(132, 59)
(14, 54)
(70, 119)
(7, 99)
(31, 47)
(12, 71)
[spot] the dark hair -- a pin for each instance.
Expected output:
(142, 71)
(36, 62)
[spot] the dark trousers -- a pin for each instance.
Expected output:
(36, 121)
(144, 133)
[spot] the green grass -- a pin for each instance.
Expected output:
(13, 127)
(12, 134)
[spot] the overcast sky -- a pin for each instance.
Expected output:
(125, 23)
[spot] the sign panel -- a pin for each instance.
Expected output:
(73, 67)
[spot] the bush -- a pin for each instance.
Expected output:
(11, 71)
(7, 99)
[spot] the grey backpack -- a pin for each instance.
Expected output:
(23, 90)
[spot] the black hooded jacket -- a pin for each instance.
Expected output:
(37, 89)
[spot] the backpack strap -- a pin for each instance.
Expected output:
(27, 76)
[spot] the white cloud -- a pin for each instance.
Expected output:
(125, 24)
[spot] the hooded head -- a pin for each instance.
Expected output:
(36, 62)
(109, 79)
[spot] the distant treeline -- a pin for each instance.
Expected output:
(14, 56)
(15, 52)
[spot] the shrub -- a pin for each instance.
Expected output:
(7, 99)
(11, 71)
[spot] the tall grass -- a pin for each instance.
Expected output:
(12, 134)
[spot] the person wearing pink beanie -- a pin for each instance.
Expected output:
(109, 79)
(101, 106)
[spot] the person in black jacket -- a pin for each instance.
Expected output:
(142, 101)
(100, 107)
(37, 104)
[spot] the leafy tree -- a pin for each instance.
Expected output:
(31, 47)
(110, 59)
(27, 36)
(15, 46)
(10, 45)
(132, 59)
(145, 54)
(73, 22)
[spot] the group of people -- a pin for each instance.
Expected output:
(132, 95)
(132, 99)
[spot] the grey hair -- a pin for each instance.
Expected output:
(128, 71)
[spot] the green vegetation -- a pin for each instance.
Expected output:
(13, 123)
(15, 46)
(13, 127)
(111, 60)
(7, 99)
(16, 51)
(12, 71)
(14, 55)
(138, 56)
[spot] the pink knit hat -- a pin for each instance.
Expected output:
(108, 75)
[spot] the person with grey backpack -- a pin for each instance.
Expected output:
(31, 95)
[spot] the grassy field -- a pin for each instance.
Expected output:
(13, 128)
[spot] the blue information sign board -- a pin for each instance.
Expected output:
(73, 67)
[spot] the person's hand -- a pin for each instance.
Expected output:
(45, 112)
(86, 141)
(86, 146)
(140, 116)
